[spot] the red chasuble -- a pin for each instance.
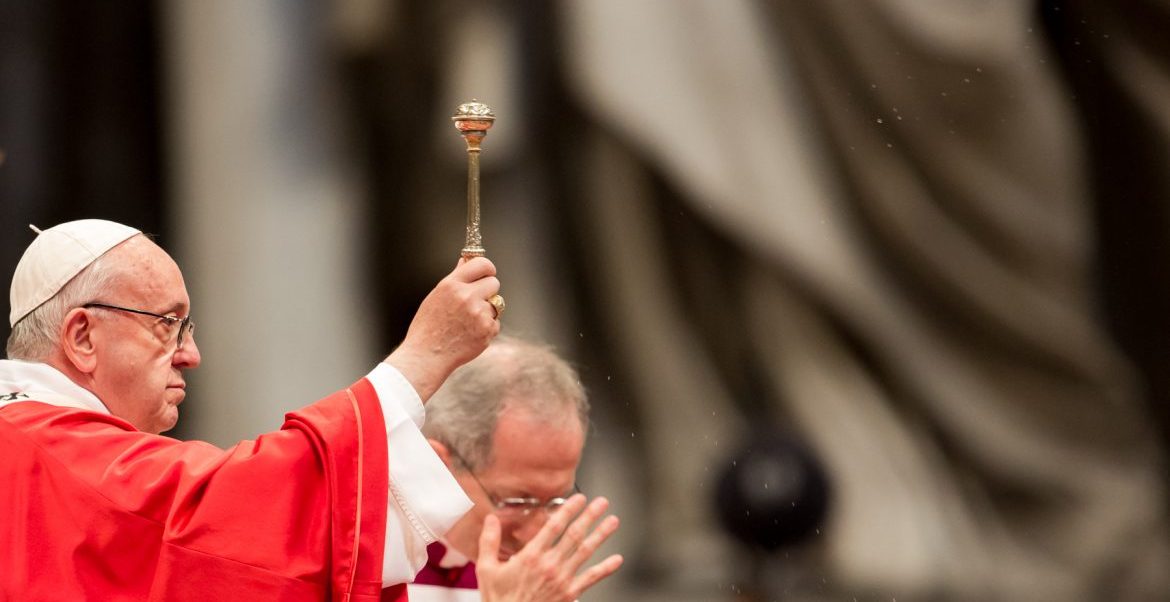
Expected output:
(93, 509)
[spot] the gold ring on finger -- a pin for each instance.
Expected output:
(497, 302)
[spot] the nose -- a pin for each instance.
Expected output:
(187, 356)
(528, 529)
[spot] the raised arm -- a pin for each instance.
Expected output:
(453, 325)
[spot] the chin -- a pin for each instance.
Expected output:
(167, 421)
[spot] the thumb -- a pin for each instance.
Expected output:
(489, 542)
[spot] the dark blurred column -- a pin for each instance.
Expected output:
(79, 118)
(391, 87)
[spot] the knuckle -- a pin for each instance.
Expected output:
(549, 569)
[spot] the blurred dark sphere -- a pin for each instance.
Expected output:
(773, 493)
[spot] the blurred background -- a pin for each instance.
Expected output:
(870, 296)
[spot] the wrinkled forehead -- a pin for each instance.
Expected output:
(147, 273)
(536, 449)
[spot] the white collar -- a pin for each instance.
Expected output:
(35, 381)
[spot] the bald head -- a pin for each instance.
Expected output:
(514, 375)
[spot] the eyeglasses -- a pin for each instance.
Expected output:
(186, 326)
(515, 507)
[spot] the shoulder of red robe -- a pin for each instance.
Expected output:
(294, 514)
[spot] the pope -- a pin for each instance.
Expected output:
(341, 501)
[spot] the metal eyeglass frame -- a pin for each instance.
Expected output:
(523, 506)
(186, 325)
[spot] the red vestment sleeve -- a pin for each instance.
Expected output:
(94, 509)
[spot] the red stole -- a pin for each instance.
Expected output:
(95, 509)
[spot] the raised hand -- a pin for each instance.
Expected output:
(453, 325)
(546, 569)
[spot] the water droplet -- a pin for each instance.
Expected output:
(899, 118)
(631, 434)
(879, 120)
(979, 70)
(966, 80)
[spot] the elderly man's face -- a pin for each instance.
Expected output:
(139, 373)
(531, 457)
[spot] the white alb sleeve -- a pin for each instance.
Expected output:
(425, 501)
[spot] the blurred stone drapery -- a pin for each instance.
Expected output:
(899, 227)
(874, 217)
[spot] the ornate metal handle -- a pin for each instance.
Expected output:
(473, 119)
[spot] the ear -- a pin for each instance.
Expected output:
(77, 340)
(443, 451)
